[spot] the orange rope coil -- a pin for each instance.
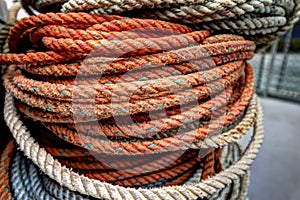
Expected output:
(6, 155)
(195, 78)
(126, 87)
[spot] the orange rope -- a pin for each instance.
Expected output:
(106, 87)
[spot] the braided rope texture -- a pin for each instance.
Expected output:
(26, 178)
(263, 21)
(5, 159)
(98, 189)
(10, 21)
(179, 67)
(169, 67)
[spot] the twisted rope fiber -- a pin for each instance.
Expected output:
(232, 135)
(224, 45)
(65, 108)
(71, 70)
(32, 180)
(248, 89)
(101, 189)
(116, 161)
(140, 177)
(83, 140)
(10, 21)
(32, 92)
(66, 153)
(28, 183)
(130, 5)
(35, 181)
(194, 135)
(6, 155)
(52, 109)
(162, 168)
(261, 21)
(250, 86)
(67, 94)
(160, 86)
(45, 188)
(93, 128)
(117, 175)
(84, 21)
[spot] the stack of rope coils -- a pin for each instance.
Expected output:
(127, 102)
(205, 188)
(167, 68)
(134, 171)
(28, 183)
(176, 84)
(4, 32)
(148, 75)
(262, 21)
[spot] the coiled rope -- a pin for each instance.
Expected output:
(5, 159)
(169, 67)
(181, 73)
(10, 21)
(26, 178)
(262, 21)
(98, 189)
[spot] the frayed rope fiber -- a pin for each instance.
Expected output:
(262, 21)
(173, 66)
(105, 86)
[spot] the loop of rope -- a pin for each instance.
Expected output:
(10, 21)
(220, 87)
(38, 185)
(119, 7)
(139, 147)
(192, 136)
(261, 21)
(134, 171)
(25, 171)
(121, 109)
(99, 189)
(5, 159)
(112, 44)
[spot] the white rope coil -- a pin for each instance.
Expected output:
(262, 21)
(98, 189)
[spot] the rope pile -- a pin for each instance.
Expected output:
(262, 21)
(134, 171)
(28, 183)
(66, 177)
(166, 68)
(10, 21)
(145, 96)
(4, 32)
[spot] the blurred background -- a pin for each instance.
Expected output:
(275, 174)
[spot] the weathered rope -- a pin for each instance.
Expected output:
(101, 190)
(29, 183)
(134, 171)
(221, 87)
(69, 134)
(210, 71)
(261, 21)
(10, 21)
(5, 159)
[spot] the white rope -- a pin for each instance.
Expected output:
(98, 189)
